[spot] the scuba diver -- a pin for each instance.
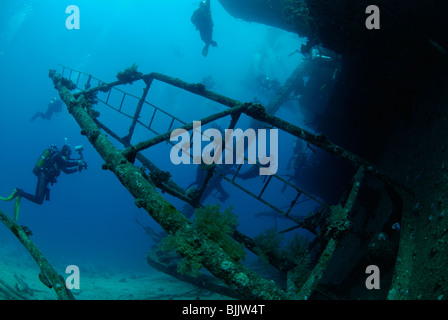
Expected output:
(54, 106)
(213, 180)
(267, 84)
(208, 82)
(202, 19)
(48, 168)
(214, 183)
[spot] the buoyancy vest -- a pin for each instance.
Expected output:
(44, 163)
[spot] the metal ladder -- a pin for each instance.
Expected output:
(121, 163)
(84, 81)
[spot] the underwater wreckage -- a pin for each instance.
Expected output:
(383, 72)
(388, 105)
(331, 224)
(47, 275)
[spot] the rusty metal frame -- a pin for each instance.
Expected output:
(248, 284)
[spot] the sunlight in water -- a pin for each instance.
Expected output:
(14, 24)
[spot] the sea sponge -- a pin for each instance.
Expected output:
(129, 75)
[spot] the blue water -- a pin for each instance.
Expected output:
(90, 218)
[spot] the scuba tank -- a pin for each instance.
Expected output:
(42, 162)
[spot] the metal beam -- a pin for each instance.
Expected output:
(195, 244)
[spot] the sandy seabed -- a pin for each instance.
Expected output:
(21, 274)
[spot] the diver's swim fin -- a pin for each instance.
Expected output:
(11, 197)
(16, 208)
(14, 195)
(205, 50)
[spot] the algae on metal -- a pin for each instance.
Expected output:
(248, 284)
(48, 275)
(194, 243)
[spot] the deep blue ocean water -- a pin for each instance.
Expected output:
(90, 218)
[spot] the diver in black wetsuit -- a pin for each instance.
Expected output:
(213, 184)
(49, 169)
(202, 19)
(54, 106)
